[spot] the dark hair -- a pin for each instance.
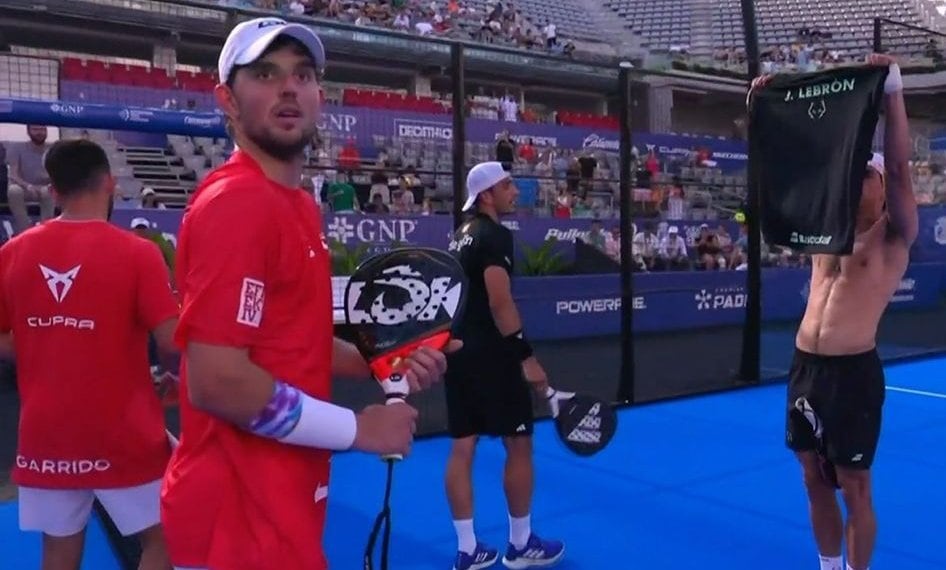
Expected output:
(277, 44)
(75, 166)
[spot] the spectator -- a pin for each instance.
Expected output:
(596, 236)
(708, 251)
(613, 244)
(379, 187)
(527, 151)
(563, 204)
(676, 202)
(506, 150)
(150, 200)
(341, 195)
(587, 164)
(377, 205)
(645, 246)
(349, 159)
(28, 180)
(551, 35)
(672, 251)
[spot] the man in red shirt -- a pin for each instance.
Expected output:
(247, 487)
(78, 298)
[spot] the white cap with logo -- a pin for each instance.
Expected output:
(247, 42)
(481, 178)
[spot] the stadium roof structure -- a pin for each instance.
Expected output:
(197, 29)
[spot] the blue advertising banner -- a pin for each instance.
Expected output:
(583, 306)
(361, 124)
(930, 244)
(376, 232)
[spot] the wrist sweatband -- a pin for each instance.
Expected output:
(293, 417)
(894, 80)
(519, 346)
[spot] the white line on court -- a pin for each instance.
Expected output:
(917, 392)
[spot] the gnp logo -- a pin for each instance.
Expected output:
(370, 230)
(721, 298)
(67, 109)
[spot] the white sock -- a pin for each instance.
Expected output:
(520, 528)
(466, 538)
(831, 563)
(849, 567)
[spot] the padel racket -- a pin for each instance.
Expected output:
(585, 424)
(397, 302)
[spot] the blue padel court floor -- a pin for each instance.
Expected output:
(696, 483)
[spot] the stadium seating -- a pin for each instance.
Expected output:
(666, 23)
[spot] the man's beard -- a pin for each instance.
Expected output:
(282, 151)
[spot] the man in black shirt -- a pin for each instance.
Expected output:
(487, 383)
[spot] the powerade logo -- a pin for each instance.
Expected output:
(803, 239)
(599, 142)
(67, 109)
(423, 130)
(593, 306)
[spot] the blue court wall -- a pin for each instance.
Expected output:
(590, 305)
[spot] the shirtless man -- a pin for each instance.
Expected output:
(836, 387)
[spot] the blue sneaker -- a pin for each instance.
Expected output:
(537, 553)
(482, 557)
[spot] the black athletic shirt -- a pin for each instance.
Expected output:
(810, 140)
(477, 244)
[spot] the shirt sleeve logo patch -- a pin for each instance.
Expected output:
(250, 312)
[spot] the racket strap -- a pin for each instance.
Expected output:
(382, 520)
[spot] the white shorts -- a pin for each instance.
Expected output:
(64, 512)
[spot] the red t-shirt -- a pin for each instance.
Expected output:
(80, 299)
(253, 270)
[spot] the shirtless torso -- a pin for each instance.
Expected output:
(849, 294)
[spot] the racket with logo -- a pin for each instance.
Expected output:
(397, 302)
(585, 424)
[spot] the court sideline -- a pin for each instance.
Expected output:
(699, 482)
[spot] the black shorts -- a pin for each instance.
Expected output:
(846, 394)
(487, 395)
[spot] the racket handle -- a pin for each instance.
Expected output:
(396, 390)
(393, 399)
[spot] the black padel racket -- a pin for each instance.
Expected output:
(397, 302)
(585, 424)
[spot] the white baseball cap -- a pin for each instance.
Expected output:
(247, 42)
(481, 178)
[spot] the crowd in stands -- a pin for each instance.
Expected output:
(500, 23)
(661, 246)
